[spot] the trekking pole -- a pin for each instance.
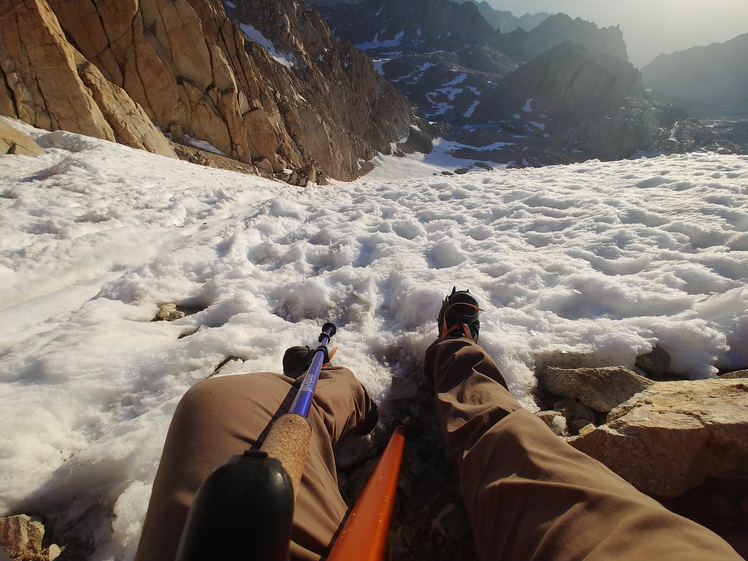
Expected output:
(244, 509)
(289, 437)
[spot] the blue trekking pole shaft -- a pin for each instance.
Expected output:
(244, 510)
(289, 437)
(303, 401)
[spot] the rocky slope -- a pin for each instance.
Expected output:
(263, 82)
(715, 76)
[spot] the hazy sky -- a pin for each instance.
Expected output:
(650, 27)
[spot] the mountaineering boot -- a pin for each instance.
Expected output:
(458, 316)
(297, 360)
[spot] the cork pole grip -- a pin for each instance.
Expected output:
(288, 442)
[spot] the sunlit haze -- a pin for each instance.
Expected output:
(650, 27)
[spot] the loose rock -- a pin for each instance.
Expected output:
(602, 389)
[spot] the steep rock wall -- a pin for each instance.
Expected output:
(47, 83)
(190, 69)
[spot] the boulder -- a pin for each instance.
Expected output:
(13, 141)
(735, 374)
(602, 389)
(21, 536)
(672, 436)
(403, 388)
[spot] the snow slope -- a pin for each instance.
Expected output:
(591, 264)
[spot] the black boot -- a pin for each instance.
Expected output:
(458, 316)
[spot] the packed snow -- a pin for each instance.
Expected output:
(285, 59)
(585, 264)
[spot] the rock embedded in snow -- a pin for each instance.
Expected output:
(21, 536)
(169, 312)
(13, 141)
(672, 436)
(655, 363)
(402, 388)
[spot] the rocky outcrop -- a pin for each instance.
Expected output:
(674, 435)
(601, 389)
(266, 82)
(595, 105)
(663, 437)
(425, 25)
(22, 538)
(47, 83)
(714, 75)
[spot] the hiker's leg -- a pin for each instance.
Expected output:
(530, 495)
(226, 415)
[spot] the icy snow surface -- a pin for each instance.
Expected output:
(598, 259)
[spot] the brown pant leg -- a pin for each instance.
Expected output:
(224, 416)
(531, 496)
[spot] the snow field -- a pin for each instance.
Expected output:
(586, 264)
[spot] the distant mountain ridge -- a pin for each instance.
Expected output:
(425, 25)
(506, 22)
(558, 28)
(502, 94)
(715, 75)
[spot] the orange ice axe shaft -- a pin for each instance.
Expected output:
(364, 535)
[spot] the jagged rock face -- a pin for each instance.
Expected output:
(333, 82)
(587, 103)
(506, 22)
(188, 68)
(48, 84)
(715, 75)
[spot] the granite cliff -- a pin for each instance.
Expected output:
(263, 82)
